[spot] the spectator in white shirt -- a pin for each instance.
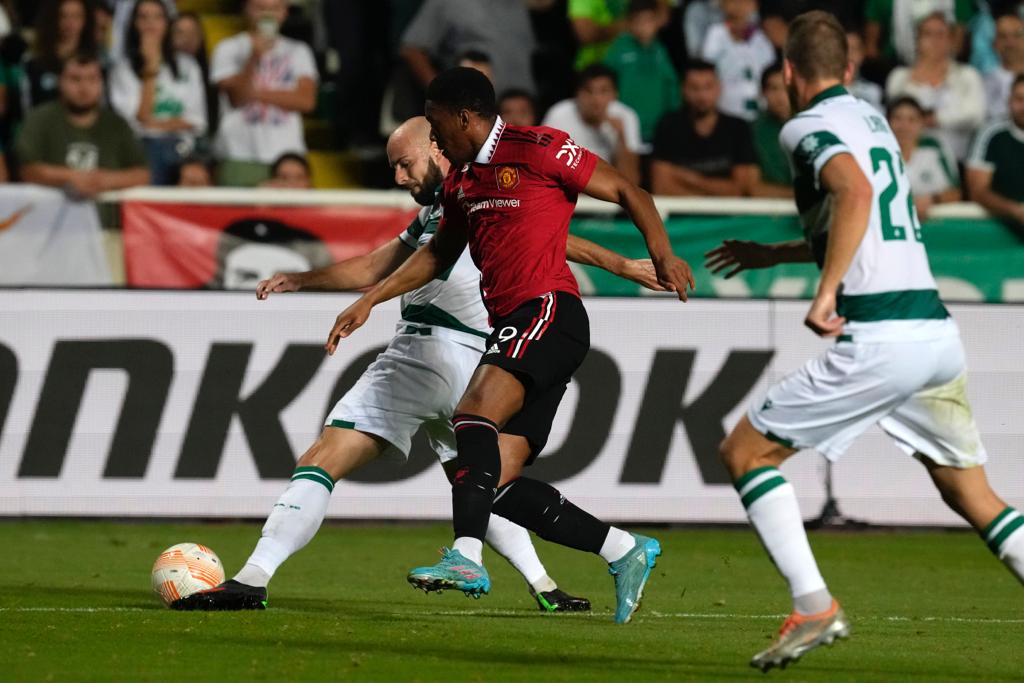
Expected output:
(740, 51)
(1009, 45)
(596, 119)
(931, 167)
(952, 94)
(159, 92)
(266, 81)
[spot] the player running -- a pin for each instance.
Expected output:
(416, 381)
(897, 362)
(510, 195)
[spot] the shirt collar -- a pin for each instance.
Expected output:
(835, 91)
(491, 143)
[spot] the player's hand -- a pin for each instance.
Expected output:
(347, 322)
(674, 275)
(278, 282)
(642, 272)
(737, 256)
(822, 318)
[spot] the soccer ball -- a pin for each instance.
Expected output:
(185, 569)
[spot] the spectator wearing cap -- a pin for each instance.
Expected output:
(596, 119)
(930, 165)
(444, 30)
(740, 51)
(647, 79)
(77, 143)
(267, 82)
(952, 94)
(1009, 45)
(774, 178)
(517, 108)
(995, 166)
(698, 150)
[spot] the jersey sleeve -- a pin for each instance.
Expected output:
(980, 155)
(568, 163)
(411, 235)
(811, 142)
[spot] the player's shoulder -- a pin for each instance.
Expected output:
(526, 144)
(803, 124)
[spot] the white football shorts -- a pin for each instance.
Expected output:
(916, 391)
(417, 381)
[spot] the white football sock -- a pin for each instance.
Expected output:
(616, 544)
(1005, 537)
(292, 523)
(513, 542)
(471, 548)
(772, 508)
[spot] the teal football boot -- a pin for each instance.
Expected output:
(631, 573)
(454, 571)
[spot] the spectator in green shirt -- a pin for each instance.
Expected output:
(596, 23)
(647, 79)
(995, 165)
(75, 142)
(774, 175)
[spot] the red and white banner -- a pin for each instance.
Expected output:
(183, 246)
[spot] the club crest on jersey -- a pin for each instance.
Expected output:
(507, 177)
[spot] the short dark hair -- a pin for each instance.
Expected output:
(637, 6)
(595, 71)
(903, 101)
(81, 58)
(290, 156)
(475, 56)
(514, 94)
(816, 46)
(773, 69)
(464, 87)
(696, 66)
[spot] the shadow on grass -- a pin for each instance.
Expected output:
(38, 595)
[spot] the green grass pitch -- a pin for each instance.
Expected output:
(75, 604)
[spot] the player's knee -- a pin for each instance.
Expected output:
(731, 457)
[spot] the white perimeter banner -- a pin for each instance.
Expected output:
(197, 404)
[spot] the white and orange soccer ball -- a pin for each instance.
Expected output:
(185, 569)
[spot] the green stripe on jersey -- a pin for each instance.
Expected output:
(432, 315)
(906, 304)
(316, 474)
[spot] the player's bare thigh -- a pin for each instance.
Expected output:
(966, 491)
(746, 449)
(493, 393)
(339, 452)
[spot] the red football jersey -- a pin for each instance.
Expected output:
(516, 200)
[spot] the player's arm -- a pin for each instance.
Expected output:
(611, 186)
(739, 255)
(427, 263)
(853, 196)
(354, 273)
(640, 271)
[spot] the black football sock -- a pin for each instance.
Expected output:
(477, 475)
(540, 508)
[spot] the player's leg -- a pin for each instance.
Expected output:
(969, 494)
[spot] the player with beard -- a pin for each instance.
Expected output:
(416, 382)
(510, 195)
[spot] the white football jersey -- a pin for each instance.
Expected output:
(888, 293)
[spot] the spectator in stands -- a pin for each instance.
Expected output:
(103, 21)
(774, 178)
(698, 18)
(647, 79)
(596, 119)
(930, 165)
(159, 92)
(889, 28)
(699, 150)
(63, 28)
(475, 59)
(291, 171)
(995, 166)
(596, 23)
(1009, 45)
(777, 14)
(952, 94)
(123, 11)
(77, 143)
(195, 171)
(266, 81)
(858, 85)
(518, 108)
(740, 51)
(189, 38)
(443, 30)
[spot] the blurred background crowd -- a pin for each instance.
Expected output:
(685, 97)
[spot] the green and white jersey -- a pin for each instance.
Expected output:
(451, 301)
(888, 293)
(932, 168)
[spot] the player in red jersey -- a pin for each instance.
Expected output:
(510, 195)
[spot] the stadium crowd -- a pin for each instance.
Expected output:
(684, 96)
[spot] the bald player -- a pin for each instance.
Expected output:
(416, 381)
